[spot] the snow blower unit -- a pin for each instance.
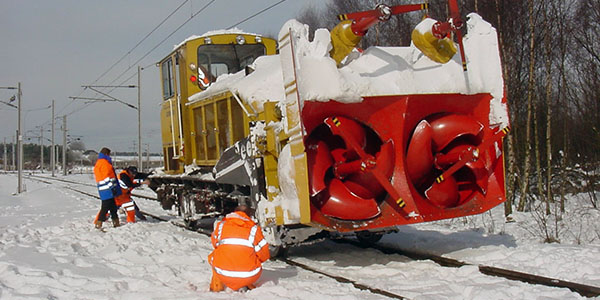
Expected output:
(321, 136)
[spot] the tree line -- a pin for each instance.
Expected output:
(550, 52)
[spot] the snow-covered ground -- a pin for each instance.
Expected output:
(50, 250)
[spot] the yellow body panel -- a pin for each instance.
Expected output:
(179, 134)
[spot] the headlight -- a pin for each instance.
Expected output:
(240, 39)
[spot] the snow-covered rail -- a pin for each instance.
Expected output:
(45, 179)
(582, 289)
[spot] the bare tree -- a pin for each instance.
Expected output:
(530, 94)
(548, 59)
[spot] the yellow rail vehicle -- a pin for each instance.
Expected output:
(316, 136)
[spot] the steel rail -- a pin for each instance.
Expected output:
(582, 289)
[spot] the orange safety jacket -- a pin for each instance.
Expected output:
(106, 179)
(127, 184)
(240, 250)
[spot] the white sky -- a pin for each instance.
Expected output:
(55, 47)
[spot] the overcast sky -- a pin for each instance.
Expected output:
(55, 47)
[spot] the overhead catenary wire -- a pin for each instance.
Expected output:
(256, 14)
(163, 40)
(192, 16)
(124, 56)
(141, 41)
(157, 45)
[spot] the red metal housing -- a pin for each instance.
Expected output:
(479, 182)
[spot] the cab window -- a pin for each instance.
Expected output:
(167, 78)
(225, 59)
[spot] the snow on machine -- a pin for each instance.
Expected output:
(318, 136)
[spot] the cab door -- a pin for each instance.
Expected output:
(171, 115)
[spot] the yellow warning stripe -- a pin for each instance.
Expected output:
(287, 85)
(400, 202)
(424, 5)
(336, 122)
(284, 37)
(287, 93)
(506, 130)
(343, 17)
(439, 179)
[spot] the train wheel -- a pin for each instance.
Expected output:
(279, 251)
(368, 238)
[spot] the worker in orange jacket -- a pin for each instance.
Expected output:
(108, 188)
(127, 182)
(240, 250)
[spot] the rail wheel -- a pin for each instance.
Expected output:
(366, 237)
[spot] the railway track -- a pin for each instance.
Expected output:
(45, 179)
(582, 289)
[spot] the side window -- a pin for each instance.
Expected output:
(167, 78)
(200, 133)
(223, 124)
(237, 114)
(211, 136)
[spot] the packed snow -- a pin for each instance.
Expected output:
(49, 249)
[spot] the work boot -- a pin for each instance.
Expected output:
(215, 284)
(116, 223)
(98, 224)
(247, 288)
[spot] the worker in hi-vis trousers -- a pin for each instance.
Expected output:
(128, 182)
(240, 250)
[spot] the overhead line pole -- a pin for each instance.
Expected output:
(13, 161)
(64, 151)
(52, 150)
(42, 149)
(4, 160)
(19, 137)
(20, 143)
(139, 111)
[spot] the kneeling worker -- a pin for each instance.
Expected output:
(240, 250)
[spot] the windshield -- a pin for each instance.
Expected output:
(214, 60)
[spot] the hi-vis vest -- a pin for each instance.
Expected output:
(240, 250)
(124, 200)
(105, 178)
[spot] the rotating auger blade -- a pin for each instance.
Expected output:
(448, 128)
(419, 156)
(344, 204)
(320, 158)
(450, 170)
(346, 174)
